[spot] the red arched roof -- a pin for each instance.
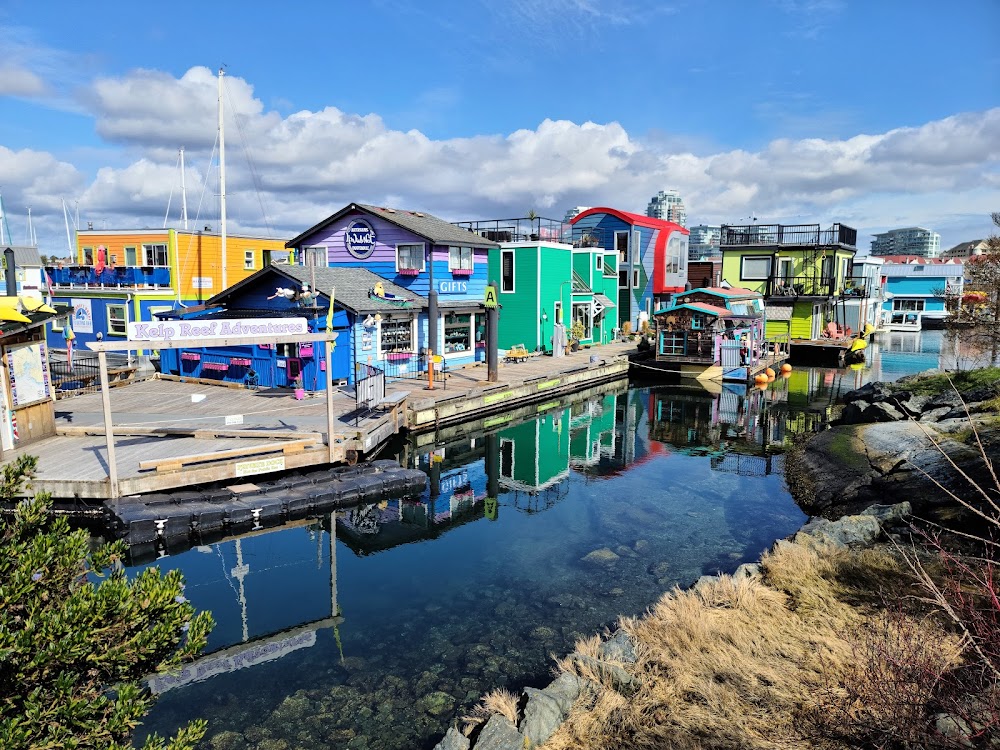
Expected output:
(630, 218)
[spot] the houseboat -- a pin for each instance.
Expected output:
(920, 292)
(715, 333)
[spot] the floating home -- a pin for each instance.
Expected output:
(920, 292)
(423, 256)
(651, 257)
(546, 276)
(713, 333)
(801, 271)
(129, 275)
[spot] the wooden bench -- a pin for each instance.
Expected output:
(517, 353)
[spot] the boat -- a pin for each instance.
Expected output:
(901, 320)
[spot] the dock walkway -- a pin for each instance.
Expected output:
(170, 435)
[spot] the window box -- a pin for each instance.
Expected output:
(461, 272)
(218, 366)
(397, 356)
(408, 271)
(237, 362)
(191, 356)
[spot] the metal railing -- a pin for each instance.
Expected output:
(406, 365)
(801, 286)
(795, 234)
(119, 276)
(686, 344)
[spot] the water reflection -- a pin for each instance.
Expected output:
(377, 626)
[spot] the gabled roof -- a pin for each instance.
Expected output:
(352, 287)
(431, 228)
(727, 292)
(718, 312)
(636, 219)
(25, 255)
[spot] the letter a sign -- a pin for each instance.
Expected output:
(491, 297)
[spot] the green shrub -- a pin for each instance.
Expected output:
(76, 641)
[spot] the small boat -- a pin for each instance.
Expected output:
(902, 321)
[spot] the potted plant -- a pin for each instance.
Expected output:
(576, 332)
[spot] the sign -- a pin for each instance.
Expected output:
(453, 287)
(366, 341)
(234, 419)
(165, 330)
(202, 282)
(83, 316)
(359, 239)
(260, 466)
(490, 300)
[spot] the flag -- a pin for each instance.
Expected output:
(48, 287)
(329, 314)
(68, 333)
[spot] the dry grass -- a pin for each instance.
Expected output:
(737, 663)
(500, 701)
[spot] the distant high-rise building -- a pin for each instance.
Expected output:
(573, 212)
(907, 241)
(966, 249)
(667, 205)
(704, 242)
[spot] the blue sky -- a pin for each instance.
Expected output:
(874, 113)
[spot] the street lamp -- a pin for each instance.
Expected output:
(541, 330)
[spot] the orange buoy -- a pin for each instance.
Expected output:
(786, 367)
(770, 378)
(769, 372)
(761, 386)
(760, 378)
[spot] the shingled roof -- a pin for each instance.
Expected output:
(431, 228)
(352, 287)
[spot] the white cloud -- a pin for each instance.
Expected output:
(17, 81)
(312, 163)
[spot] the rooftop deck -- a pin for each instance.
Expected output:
(803, 235)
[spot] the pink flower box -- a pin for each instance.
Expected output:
(397, 356)
(461, 272)
(408, 271)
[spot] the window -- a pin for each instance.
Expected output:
(410, 258)
(460, 259)
(582, 313)
(623, 278)
(621, 246)
(908, 305)
(756, 267)
(507, 458)
(785, 270)
(396, 335)
(635, 278)
(314, 256)
(506, 270)
(88, 256)
(697, 322)
(130, 259)
(248, 260)
(599, 262)
(457, 333)
(610, 267)
(557, 312)
(154, 255)
(116, 320)
(844, 268)
(917, 268)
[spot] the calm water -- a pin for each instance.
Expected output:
(600, 506)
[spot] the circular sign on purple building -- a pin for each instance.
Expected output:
(359, 239)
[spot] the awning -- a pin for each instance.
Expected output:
(604, 300)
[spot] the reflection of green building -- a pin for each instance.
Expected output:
(535, 455)
(592, 430)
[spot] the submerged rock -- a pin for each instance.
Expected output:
(436, 703)
(602, 556)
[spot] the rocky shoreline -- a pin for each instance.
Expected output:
(892, 453)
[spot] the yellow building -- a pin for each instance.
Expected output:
(124, 275)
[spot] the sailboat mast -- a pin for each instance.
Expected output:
(32, 242)
(69, 241)
(222, 180)
(184, 198)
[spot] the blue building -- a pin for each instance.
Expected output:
(428, 258)
(381, 265)
(652, 256)
(919, 292)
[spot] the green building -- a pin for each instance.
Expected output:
(802, 271)
(543, 282)
(535, 455)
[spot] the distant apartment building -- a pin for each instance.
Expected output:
(704, 242)
(572, 213)
(965, 250)
(667, 205)
(907, 241)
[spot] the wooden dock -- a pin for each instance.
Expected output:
(170, 435)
